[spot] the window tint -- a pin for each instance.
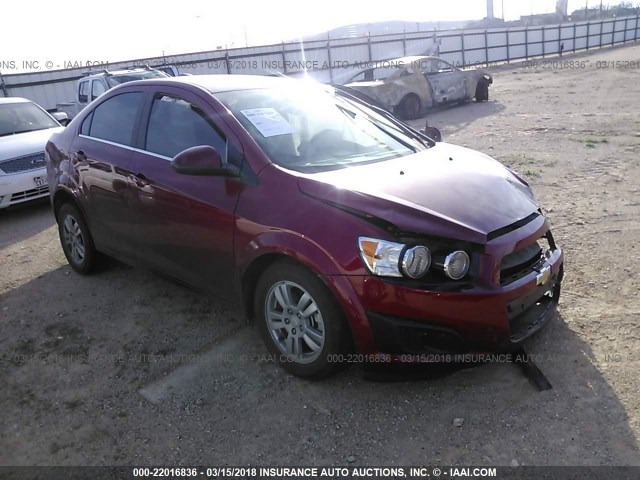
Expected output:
(86, 125)
(83, 92)
(176, 125)
(114, 119)
(97, 89)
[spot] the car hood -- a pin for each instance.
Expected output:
(447, 191)
(12, 146)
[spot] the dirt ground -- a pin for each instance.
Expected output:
(124, 367)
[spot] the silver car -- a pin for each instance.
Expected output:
(408, 86)
(25, 129)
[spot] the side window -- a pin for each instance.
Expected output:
(83, 92)
(443, 67)
(97, 89)
(86, 125)
(175, 125)
(114, 119)
(427, 67)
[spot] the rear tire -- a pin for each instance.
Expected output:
(299, 320)
(409, 107)
(76, 240)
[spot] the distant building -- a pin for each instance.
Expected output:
(541, 19)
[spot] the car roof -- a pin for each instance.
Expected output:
(14, 100)
(221, 82)
(125, 71)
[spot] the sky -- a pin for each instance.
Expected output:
(81, 30)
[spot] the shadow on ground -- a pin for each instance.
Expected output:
(25, 220)
(125, 368)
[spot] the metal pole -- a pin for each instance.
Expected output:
(560, 40)
(543, 41)
(601, 25)
(574, 37)
(284, 59)
(464, 62)
(588, 33)
(624, 38)
(3, 86)
(486, 48)
(329, 57)
(508, 48)
(404, 40)
(526, 43)
(586, 12)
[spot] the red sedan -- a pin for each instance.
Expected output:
(332, 223)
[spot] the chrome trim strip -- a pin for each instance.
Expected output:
(127, 147)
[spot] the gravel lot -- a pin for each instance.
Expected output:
(124, 367)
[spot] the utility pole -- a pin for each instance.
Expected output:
(586, 10)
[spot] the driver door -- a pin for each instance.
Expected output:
(184, 223)
(447, 82)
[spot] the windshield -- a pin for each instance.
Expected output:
(117, 79)
(23, 117)
(308, 129)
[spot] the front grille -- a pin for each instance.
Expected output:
(522, 262)
(23, 164)
(36, 192)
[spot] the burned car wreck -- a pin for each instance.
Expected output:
(409, 86)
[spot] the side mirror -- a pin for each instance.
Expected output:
(431, 132)
(203, 160)
(61, 117)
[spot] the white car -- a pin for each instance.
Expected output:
(25, 129)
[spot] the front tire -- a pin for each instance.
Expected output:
(299, 320)
(76, 240)
(482, 92)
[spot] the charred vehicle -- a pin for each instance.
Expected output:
(332, 223)
(409, 86)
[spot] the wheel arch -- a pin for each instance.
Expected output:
(63, 196)
(262, 263)
(263, 251)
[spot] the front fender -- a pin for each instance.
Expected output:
(290, 244)
(319, 261)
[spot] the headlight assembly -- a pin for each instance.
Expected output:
(456, 265)
(381, 257)
(416, 261)
(391, 259)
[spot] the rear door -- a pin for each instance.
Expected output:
(101, 155)
(448, 83)
(184, 224)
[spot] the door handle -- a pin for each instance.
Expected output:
(141, 180)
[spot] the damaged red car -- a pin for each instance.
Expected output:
(333, 224)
